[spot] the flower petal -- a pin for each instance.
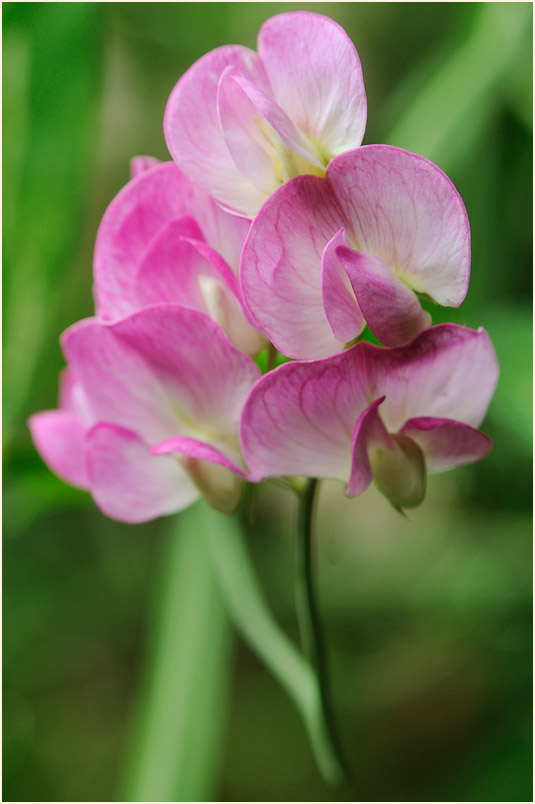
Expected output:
(154, 373)
(448, 371)
(280, 267)
(263, 141)
(202, 372)
(193, 133)
(315, 74)
(199, 450)
(339, 302)
(446, 443)
(170, 267)
(391, 309)
(137, 214)
(369, 430)
(299, 419)
(219, 480)
(59, 438)
(130, 484)
(403, 209)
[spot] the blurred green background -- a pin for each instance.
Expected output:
(428, 620)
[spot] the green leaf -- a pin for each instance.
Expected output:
(181, 708)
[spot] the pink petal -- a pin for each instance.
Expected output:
(447, 443)
(403, 209)
(264, 143)
(118, 384)
(136, 216)
(130, 484)
(280, 267)
(315, 75)
(154, 373)
(219, 480)
(391, 309)
(170, 267)
(193, 133)
(369, 431)
(339, 302)
(199, 450)
(139, 164)
(299, 419)
(205, 376)
(188, 272)
(247, 134)
(448, 371)
(59, 438)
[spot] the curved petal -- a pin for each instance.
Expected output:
(193, 133)
(447, 371)
(264, 143)
(59, 438)
(403, 209)
(299, 419)
(369, 430)
(250, 139)
(154, 373)
(219, 480)
(203, 374)
(339, 302)
(446, 443)
(185, 271)
(315, 75)
(391, 309)
(170, 267)
(280, 267)
(119, 386)
(130, 484)
(137, 214)
(199, 450)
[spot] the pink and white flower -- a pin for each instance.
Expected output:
(149, 413)
(373, 413)
(239, 123)
(324, 256)
(164, 240)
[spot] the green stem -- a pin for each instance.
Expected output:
(252, 618)
(308, 613)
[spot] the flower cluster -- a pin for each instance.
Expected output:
(162, 400)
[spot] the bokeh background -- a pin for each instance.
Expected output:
(428, 620)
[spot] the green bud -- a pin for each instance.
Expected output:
(399, 473)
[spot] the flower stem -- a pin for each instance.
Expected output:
(246, 605)
(308, 614)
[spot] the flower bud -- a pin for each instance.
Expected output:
(399, 473)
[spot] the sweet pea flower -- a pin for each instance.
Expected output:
(241, 123)
(162, 239)
(149, 413)
(390, 415)
(324, 256)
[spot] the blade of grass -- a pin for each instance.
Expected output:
(177, 729)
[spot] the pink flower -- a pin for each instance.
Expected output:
(375, 413)
(164, 240)
(324, 256)
(149, 413)
(240, 123)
